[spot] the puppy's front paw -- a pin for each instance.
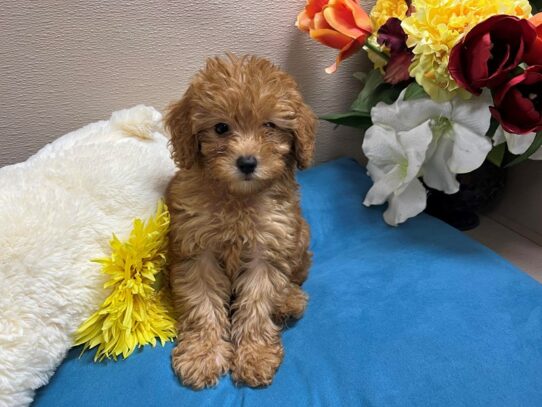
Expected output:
(292, 305)
(200, 363)
(255, 364)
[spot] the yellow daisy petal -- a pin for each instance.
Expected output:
(137, 310)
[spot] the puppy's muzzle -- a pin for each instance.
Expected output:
(247, 164)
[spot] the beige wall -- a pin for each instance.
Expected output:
(66, 63)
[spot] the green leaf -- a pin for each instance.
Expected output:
(361, 76)
(494, 124)
(386, 93)
(351, 119)
(496, 155)
(415, 91)
(375, 91)
(537, 143)
(363, 102)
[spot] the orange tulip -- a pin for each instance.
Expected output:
(536, 20)
(534, 53)
(339, 24)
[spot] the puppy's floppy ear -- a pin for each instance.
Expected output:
(304, 135)
(178, 123)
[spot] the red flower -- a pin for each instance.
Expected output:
(392, 36)
(518, 103)
(340, 24)
(534, 54)
(490, 51)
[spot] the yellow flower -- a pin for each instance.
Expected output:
(138, 310)
(436, 26)
(378, 62)
(385, 9)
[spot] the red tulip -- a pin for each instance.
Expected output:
(490, 52)
(518, 103)
(339, 24)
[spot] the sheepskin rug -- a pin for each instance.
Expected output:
(58, 211)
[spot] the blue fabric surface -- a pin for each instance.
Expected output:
(410, 316)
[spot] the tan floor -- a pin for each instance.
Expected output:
(519, 250)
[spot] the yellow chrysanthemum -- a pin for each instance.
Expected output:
(436, 26)
(138, 310)
(385, 9)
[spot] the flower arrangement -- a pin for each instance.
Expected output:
(455, 83)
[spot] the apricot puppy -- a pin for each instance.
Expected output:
(238, 243)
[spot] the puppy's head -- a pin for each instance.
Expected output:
(243, 122)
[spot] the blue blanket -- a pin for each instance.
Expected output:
(411, 316)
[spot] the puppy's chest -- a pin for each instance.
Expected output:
(245, 234)
(241, 226)
(235, 233)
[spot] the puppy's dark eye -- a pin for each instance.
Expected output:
(270, 125)
(221, 128)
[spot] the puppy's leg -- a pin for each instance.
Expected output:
(292, 304)
(300, 274)
(294, 300)
(301, 269)
(201, 294)
(255, 335)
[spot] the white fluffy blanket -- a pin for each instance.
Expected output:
(57, 212)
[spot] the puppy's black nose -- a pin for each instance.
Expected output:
(247, 164)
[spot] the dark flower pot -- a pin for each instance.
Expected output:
(479, 192)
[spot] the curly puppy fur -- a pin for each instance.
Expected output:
(238, 243)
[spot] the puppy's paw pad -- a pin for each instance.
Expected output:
(201, 364)
(255, 364)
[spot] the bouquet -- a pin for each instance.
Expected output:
(455, 83)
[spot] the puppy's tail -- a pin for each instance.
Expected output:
(139, 121)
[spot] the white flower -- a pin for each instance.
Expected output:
(517, 143)
(421, 137)
(395, 160)
(459, 142)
